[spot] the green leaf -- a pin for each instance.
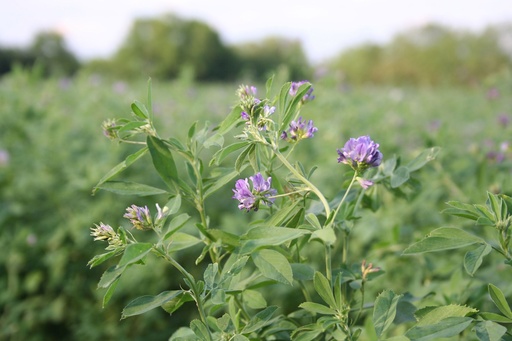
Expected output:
(183, 334)
(399, 176)
(109, 276)
(243, 155)
(389, 165)
(254, 299)
(268, 236)
(162, 160)
(175, 303)
(120, 167)
(463, 210)
(180, 241)
(214, 140)
(384, 311)
(260, 320)
(221, 154)
(495, 317)
(432, 315)
(323, 288)
(130, 188)
(173, 205)
(326, 235)
(134, 253)
(446, 328)
(443, 238)
(143, 304)
(225, 237)
(219, 183)
(313, 220)
(176, 224)
(283, 213)
(302, 272)
(473, 259)
(200, 330)
(110, 291)
(489, 331)
(495, 203)
(425, 156)
(230, 121)
(130, 126)
(273, 265)
(140, 109)
(499, 300)
(293, 105)
(98, 259)
(317, 308)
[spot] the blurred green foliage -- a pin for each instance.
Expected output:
(52, 153)
(429, 55)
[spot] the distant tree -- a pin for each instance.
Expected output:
(50, 51)
(261, 59)
(14, 56)
(161, 47)
(359, 63)
(428, 55)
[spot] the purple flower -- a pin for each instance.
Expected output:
(139, 217)
(251, 198)
(360, 153)
(365, 183)
(503, 120)
(295, 87)
(299, 130)
(245, 116)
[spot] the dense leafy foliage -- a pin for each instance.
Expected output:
(52, 154)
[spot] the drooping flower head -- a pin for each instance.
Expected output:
(299, 130)
(139, 217)
(250, 198)
(295, 87)
(110, 129)
(360, 153)
(106, 232)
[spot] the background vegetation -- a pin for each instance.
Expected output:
(52, 153)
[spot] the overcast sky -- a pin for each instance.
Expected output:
(96, 28)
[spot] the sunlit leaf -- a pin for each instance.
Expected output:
(143, 304)
(384, 311)
(443, 238)
(273, 265)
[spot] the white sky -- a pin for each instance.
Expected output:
(96, 28)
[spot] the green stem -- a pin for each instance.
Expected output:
(193, 288)
(328, 263)
(345, 195)
(305, 181)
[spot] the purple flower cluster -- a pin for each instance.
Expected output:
(360, 153)
(250, 198)
(139, 217)
(299, 130)
(248, 100)
(295, 87)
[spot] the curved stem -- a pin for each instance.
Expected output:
(305, 181)
(345, 195)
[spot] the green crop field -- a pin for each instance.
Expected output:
(53, 152)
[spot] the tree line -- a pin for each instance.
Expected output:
(167, 47)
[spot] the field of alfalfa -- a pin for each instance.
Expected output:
(53, 152)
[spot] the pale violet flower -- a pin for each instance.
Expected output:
(299, 130)
(250, 198)
(360, 153)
